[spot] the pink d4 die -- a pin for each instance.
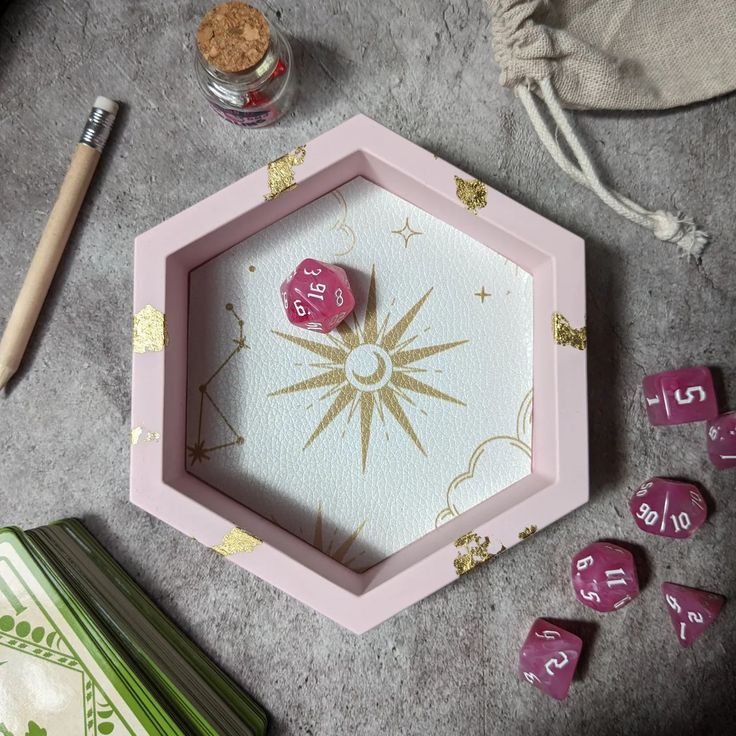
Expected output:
(668, 508)
(722, 441)
(677, 397)
(692, 611)
(548, 658)
(604, 577)
(317, 296)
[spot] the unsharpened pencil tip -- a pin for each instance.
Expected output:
(5, 375)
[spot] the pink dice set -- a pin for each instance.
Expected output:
(722, 440)
(549, 657)
(317, 296)
(692, 611)
(603, 574)
(604, 577)
(678, 397)
(688, 395)
(668, 508)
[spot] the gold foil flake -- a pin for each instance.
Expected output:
(137, 435)
(472, 193)
(149, 331)
(281, 172)
(235, 541)
(472, 551)
(564, 334)
(526, 533)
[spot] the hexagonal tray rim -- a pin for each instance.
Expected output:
(160, 484)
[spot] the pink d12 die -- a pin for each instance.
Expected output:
(548, 658)
(668, 508)
(604, 577)
(722, 441)
(692, 611)
(677, 397)
(317, 296)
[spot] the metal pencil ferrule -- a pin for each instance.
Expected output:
(97, 128)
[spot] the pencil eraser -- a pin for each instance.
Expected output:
(104, 103)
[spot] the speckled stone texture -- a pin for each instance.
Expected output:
(423, 68)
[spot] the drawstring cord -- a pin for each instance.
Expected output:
(667, 226)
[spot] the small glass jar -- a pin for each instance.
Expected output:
(257, 96)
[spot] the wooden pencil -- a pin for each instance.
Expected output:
(53, 241)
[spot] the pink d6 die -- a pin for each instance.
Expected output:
(317, 296)
(722, 441)
(692, 611)
(677, 397)
(548, 658)
(604, 576)
(668, 508)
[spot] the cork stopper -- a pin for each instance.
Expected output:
(233, 37)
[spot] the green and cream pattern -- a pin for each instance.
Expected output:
(50, 684)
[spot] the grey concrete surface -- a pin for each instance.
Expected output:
(446, 665)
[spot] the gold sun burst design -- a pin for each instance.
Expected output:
(368, 369)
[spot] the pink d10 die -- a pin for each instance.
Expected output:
(604, 577)
(317, 296)
(722, 441)
(668, 508)
(677, 397)
(548, 658)
(692, 611)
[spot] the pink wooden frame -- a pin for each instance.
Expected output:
(165, 255)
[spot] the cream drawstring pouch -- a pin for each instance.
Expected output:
(614, 55)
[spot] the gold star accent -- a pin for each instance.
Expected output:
(407, 232)
(368, 369)
(199, 452)
(482, 294)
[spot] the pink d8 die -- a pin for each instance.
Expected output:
(317, 296)
(668, 508)
(604, 577)
(548, 658)
(722, 441)
(677, 397)
(692, 611)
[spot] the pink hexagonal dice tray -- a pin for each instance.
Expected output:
(360, 471)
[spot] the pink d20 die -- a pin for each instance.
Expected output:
(677, 397)
(722, 441)
(548, 658)
(692, 611)
(668, 508)
(317, 296)
(604, 577)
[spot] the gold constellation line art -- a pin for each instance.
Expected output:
(199, 451)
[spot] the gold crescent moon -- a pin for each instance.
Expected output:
(374, 377)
